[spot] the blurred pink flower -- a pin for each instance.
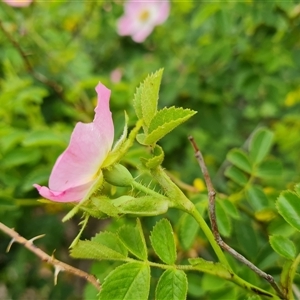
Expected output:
(76, 169)
(116, 75)
(18, 3)
(141, 17)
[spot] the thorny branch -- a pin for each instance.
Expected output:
(214, 224)
(58, 265)
(38, 76)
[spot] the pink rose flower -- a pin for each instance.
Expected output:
(77, 168)
(141, 17)
(18, 3)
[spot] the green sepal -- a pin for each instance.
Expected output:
(118, 175)
(144, 206)
(127, 282)
(156, 160)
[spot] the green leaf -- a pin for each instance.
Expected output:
(127, 282)
(163, 242)
(187, 231)
(165, 121)
(157, 159)
(17, 157)
(172, 285)
(105, 245)
(269, 169)
(224, 223)
(297, 189)
(240, 159)
(283, 246)
(45, 137)
(134, 240)
(230, 208)
(236, 175)
(260, 144)
(209, 267)
(288, 205)
(146, 97)
(144, 206)
(257, 198)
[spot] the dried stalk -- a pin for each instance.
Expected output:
(214, 224)
(58, 265)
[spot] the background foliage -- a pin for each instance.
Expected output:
(236, 63)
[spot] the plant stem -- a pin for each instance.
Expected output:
(206, 230)
(292, 273)
(214, 224)
(58, 265)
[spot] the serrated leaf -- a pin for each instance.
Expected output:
(257, 198)
(146, 97)
(110, 240)
(269, 169)
(94, 250)
(144, 206)
(165, 121)
(163, 242)
(288, 205)
(172, 285)
(134, 240)
(209, 267)
(260, 144)
(224, 223)
(283, 246)
(240, 159)
(236, 175)
(127, 282)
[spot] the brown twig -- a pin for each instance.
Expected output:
(58, 265)
(214, 224)
(38, 76)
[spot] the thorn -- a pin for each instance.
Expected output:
(36, 238)
(56, 272)
(9, 245)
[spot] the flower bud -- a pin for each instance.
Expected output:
(118, 175)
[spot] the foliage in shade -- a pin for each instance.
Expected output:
(283, 246)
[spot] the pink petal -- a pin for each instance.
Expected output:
(140, 35)
(18, 3)
(70, 195)
(79, 164)
(163, 12)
